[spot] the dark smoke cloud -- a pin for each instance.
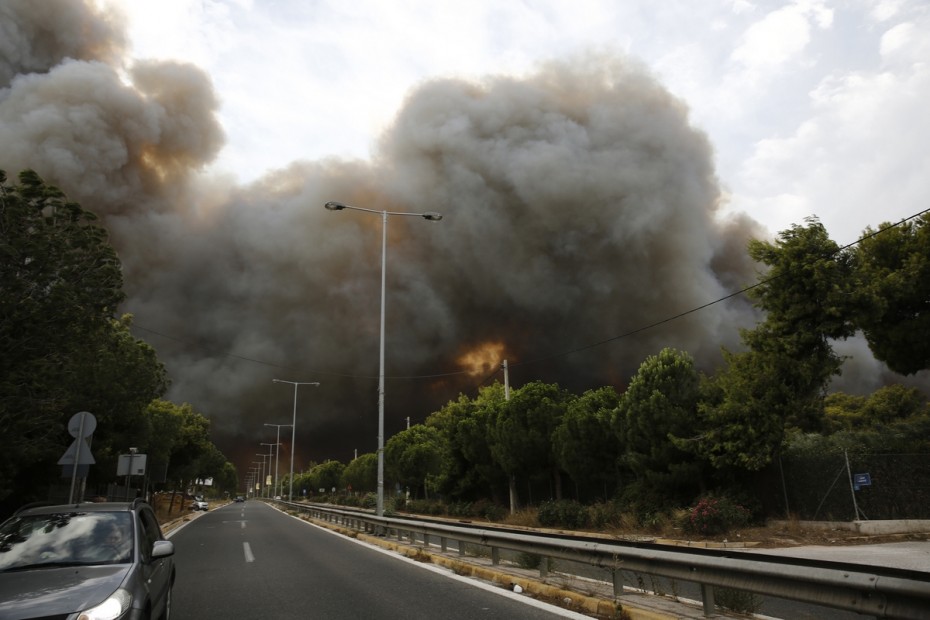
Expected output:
(579, 205)
(36, 36)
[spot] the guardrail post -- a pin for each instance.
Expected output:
(495, 556)
(442, 543)
(617, 577)
(543, 567)
(707, 596)
(461, 547)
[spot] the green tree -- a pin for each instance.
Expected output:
(193, 442)
(119, 377)
(327, 475)
(414, 457)
(584, 444)
(781, 381)
(520, 433)
(228, 480)
(807, 297)
(887, 406)
(742, 412)
(165, 421)
(361, 474)
(60, 282)
(841, 411)
(659, 405)
(892, 268)
(468, 470)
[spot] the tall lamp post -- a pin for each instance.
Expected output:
(290, 493)
(258, 473)
(265, 468)
(270, 453)
(433, 217)
(277, 454)
(253, 476)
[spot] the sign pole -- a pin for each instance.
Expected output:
(77, 457)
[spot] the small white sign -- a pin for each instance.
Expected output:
(131, 465)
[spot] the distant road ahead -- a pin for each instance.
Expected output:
(248, 560)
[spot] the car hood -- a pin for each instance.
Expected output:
(51, 591)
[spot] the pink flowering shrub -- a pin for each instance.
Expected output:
(715, 515)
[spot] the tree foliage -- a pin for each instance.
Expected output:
(893, 279)
(584, 444)
(186, 438)
(60, 282)
(808, 300)
(64, 352)
(326, 475)
(414, 457)
(520, 431)
(361, 474)
(888, 407)
(468, 469)
(743, 411)
(661, 404)
(780, 382)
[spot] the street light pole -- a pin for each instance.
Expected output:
(277, 454)
(250, 490)
(433, 217)
(290, 493)
(258, 471)
(265, 468)
(269, 459)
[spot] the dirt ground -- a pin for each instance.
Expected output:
(795, 534)
(774, 535)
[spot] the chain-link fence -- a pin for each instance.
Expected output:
(847, 487)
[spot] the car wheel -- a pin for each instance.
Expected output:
(166, 612)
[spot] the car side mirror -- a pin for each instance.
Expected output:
(162, 549)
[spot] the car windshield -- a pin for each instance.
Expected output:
(66, 539)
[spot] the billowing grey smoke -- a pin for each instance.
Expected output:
(579, 205)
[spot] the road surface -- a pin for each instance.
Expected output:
(247, 560)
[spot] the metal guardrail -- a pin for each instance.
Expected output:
(878, 591)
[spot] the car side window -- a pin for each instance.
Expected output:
(150, 532)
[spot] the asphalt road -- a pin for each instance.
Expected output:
(248, 560)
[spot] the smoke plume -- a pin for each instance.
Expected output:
(579, 204)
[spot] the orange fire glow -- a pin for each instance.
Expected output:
(483, 358)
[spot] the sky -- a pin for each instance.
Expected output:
(600, 167)
(813, 108)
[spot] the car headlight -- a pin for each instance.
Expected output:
(114, 607)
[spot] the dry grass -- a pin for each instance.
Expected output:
(526, 517)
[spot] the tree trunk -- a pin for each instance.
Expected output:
(557, 480)
(514, 501)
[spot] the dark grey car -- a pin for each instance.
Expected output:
(88, 561)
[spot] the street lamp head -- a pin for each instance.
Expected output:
(332, 205)
(432, 216)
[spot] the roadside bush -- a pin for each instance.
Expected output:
(494, 512)
(604, 515)
(715, 515)
(563, 513)
(461, 509)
